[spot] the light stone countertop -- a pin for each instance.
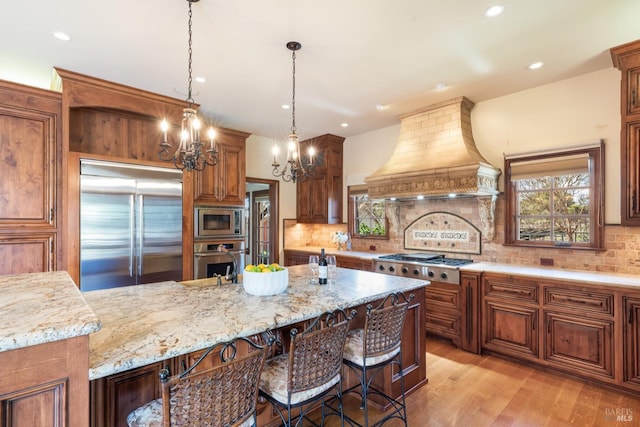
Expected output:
(591, 277)
(153, 322)
(330, 250)
(38, 308)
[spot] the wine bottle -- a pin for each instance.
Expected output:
(323, 268)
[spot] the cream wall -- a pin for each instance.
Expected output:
(567, 113)
(259, 159)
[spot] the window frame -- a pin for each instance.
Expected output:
(595, 155)
(358, 190)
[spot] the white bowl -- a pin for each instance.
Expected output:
(263, 284)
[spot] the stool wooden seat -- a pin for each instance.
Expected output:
(370, 349)
(310, 373)
(223, 395)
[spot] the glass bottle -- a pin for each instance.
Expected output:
(323, 268)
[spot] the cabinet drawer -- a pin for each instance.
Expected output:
(584, 301)
(440, 296)
(510, 288)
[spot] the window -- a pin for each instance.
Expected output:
(367, 218)
(555, 199)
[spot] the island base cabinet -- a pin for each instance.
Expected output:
(580, 344)
(114, 397)
(45, 384)
(631, 340)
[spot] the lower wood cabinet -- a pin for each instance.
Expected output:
(45, 384)
(579, 344)
(586, 329)
(115, 396)
(296, 257)
(511, 329)
(631, 340)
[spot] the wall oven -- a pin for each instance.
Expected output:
(211, 221)
(218, 257)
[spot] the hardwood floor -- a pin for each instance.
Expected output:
(466, 389)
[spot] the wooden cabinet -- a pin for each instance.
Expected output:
(45, 384)
(114, 397)
(631, 341)
(354, 263)
(579, 330)
(225, 183)
(30, 134)
(319, 200)
(295, 257)
(558, 324)
(510, 316)
(627, 59)
(452, 311)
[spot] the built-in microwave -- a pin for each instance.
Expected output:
(211, 221)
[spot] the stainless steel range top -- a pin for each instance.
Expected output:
(428, 266)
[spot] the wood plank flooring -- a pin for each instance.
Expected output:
(465, 389)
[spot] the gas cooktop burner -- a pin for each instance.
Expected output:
(426, 258)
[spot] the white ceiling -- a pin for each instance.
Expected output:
(355, 53)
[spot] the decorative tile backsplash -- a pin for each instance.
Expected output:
(621, 254)
(442, 232)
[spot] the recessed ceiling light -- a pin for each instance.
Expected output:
(441, 86)
(285, 106)
(381, 107)
(494, 11)
(345, 125)
(61, 36)
(536, 65)
(200, 79)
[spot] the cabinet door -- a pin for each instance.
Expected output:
(510, 329)
(630, 174)
(312, 199)
(27, 253)
(224, 184)
(114, 397)
(631, 342)
(29, 134)
(27, 184)
(580, 344)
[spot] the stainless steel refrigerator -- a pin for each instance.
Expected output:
(130, 224)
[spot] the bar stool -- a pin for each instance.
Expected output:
(224, 395)
(377, 345)
(309, 372)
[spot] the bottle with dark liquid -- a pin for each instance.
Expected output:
(323, 268)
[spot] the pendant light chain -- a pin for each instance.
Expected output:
(293, 98)
(189, 98)
(192, 154)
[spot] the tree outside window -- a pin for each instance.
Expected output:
(367, 218)
(555, 199)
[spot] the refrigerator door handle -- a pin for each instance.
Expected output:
(132, 216)
(140, 233)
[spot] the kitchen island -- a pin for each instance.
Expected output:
(148, 327)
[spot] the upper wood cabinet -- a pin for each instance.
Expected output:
(30, 131)
(225, 183)
(319, 200)
(627, 59)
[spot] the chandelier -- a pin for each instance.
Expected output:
(192, 153)
(293, 170)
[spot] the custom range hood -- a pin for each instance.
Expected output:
(435, 156)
